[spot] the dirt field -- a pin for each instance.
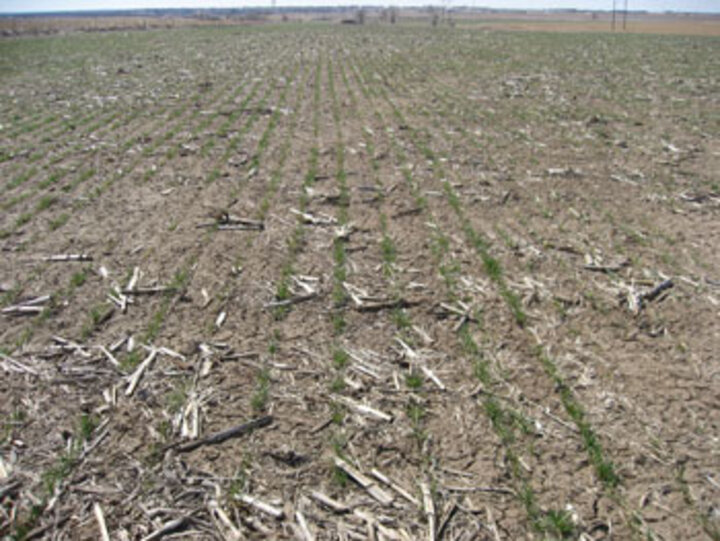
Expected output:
(669, 27)
(437, 284)
(23, 26)
(689, 24)
(692, 24)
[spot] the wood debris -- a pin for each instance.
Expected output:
(636, 300)
(311, 219)
(596, 264)
(9, 487)
(242, 225)
(27, 307)
(328, 502)
(223, 523)
(413, 211)
(700, 197)
(461, 311)
(365, 482)
(287, 302)
(68, 257)
(110, 356)
(167, 528)
(493, 490)
(301, 288)
(137, 375)
(331, 197)
(362, 409)
(655, 292)
(450, 508)
(262, 506)
(623, 179)
(344, 231)
(104, 535)
(304, 528)
(224, 435)
(69, 345)
(432, 377)
(227, 222)
(395, 486)
(190, 418)
(119, 298)
(11, 365)
(133, 279)
(151, 290)
(429, 507)
(407, 351)
(564, 172)
(22, 310)
(365, 302)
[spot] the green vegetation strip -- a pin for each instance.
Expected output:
(510, 426)
(604, 468)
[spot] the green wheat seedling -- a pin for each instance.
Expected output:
(54, 476)
(339, 250)
(261, 395)
(387, 247)
(604, 468)
(20, 179)
(175, 290)
(276, 175)
(506, 423)
(57, 299)
(283, 287)
(296, 240)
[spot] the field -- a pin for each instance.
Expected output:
(348, 282)
(688, 24)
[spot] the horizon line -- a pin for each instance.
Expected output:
(262, 7)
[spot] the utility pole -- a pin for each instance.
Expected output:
(613, 17)
(625, 11)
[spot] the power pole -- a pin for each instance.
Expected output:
(613, 17)
(625, 15)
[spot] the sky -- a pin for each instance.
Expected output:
(19, 6)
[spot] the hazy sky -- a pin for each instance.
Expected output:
(15, 6)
